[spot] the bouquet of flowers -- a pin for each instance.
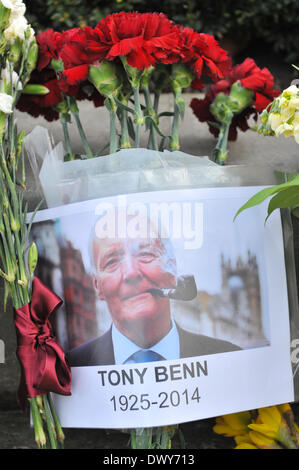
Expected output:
(124, 63)
(112, 64)
(127, 56)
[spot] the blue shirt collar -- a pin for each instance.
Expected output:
(168, 347)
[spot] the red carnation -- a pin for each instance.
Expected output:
(144, 39)
(74, 48)
(49, 44)
(260, 81)
(204, 55)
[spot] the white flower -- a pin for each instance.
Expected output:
(6, 103)
(291, 91)
(275, 120)
(10, 78)
(286, 129)
(14, 5)
(16, 29)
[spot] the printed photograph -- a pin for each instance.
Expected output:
(146, 279)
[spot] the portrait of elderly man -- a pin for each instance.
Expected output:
(133, 273)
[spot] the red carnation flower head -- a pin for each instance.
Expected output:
(204, 55)
(49, 44)
(143, 38)
(251, 77)
(74, 48)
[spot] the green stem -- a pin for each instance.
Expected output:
(156, 101)
(86, 146)
(165, 439)
(133, 439)
(9, 269)
(220, 152)
(40, 437)
(59, 431)
(125, 138)
(70, 155)
(174, 140)
(49, 422)
(153, 144)
(113, 135)
(139, 119)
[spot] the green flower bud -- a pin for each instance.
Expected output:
(28, 33)
(2, 124)
(32, 56)
(105, 77)
(57, 65)
(264, 116)
(15, 51)
(220, 107)
(32, 258)
(181, 76)
(14, 223)
(34, 89)
(240, 97)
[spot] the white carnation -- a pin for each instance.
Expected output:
(6, 103)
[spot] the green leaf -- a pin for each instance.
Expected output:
(262, 195)
(123, 106)
(166, 113)
(286, 198)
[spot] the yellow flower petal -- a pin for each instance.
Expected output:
(270, 416)
(224, 429)
(284, 408)
(265, 430)
(238, 421)
(232, 424)
(242, 438)
(246, 445)
(263, 442)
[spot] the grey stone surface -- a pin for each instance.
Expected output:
(250, 149)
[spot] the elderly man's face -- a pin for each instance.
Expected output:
(129, 274)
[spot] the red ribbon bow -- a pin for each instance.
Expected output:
(43, 364)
